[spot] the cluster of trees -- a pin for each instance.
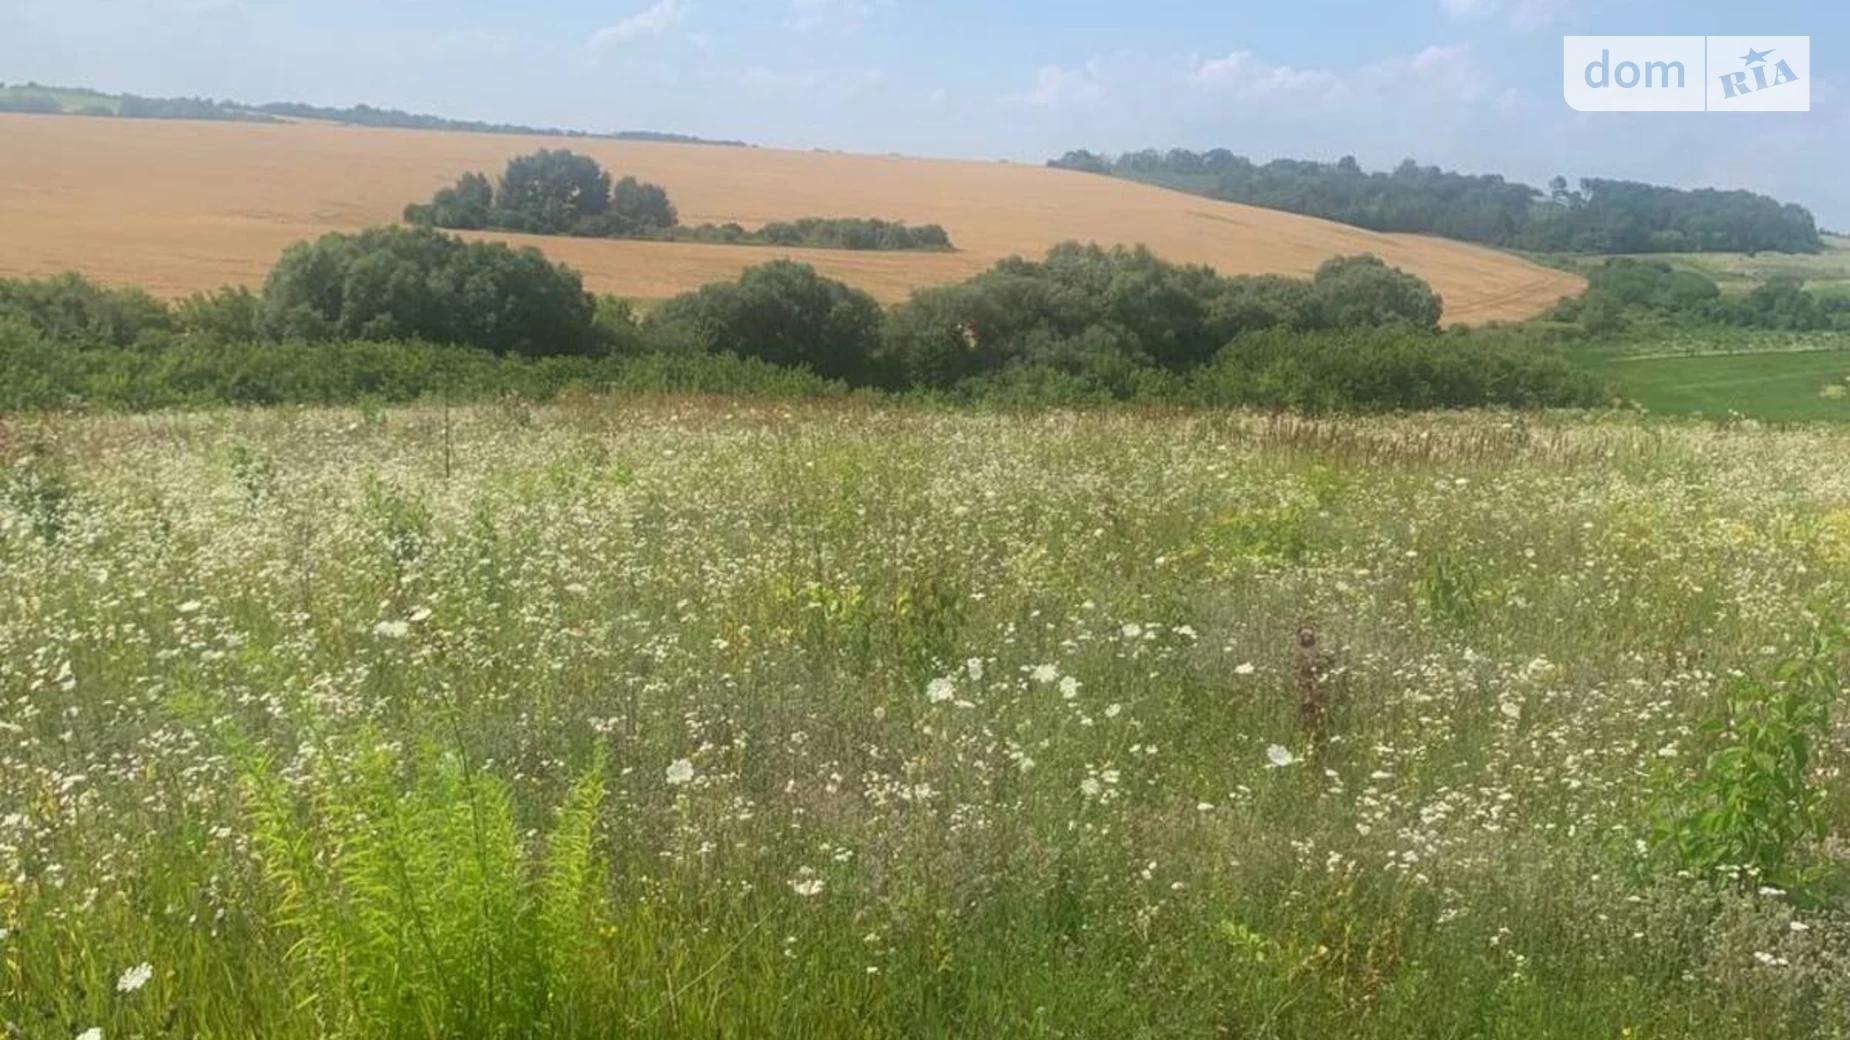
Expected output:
(559, 192)
(550, 193)
(1626, 294)
(34, 98)
(1082, 324)
(381, 284)
(367, 115)
(31, 102)
(1602, 216)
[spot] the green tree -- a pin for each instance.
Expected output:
(781, 312)
(399, 283)
(643, 205)
(1360, 291)
(551, 192)
(72, 309)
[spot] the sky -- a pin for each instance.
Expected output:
(1473, 85)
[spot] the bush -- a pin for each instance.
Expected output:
(1084, 324)
(644, 206)
(1624, 293)
(466, 207)
(1388, 369)
(854, 233)
(205, 373)
(783, 313)
(1128, 306)
(1361, 291)
(233, 314)
(397, 283)
(72, 309)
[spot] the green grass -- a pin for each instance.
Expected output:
(1787, 387)
(725, 718)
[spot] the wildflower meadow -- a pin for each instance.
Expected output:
(700, 718)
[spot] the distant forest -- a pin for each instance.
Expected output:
(38, 98)
(1602, 216)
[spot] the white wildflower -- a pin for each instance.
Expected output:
(680, 771)
(391, 629)
(940, 690)
(974, 669)
(92, 1033)
(1045, 673)
(806, 887)
(1245, 669)
(135, 978)
(1278, 756)
(1069, 687)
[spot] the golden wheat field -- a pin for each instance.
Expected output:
(181, 206)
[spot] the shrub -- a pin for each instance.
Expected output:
(1360, 291)
(1153, 313)
(72, 309)
(1388, 369)
(465, 207)
(397, 283)
(781, 312)
(233, 314)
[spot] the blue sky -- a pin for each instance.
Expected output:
(1469, 84)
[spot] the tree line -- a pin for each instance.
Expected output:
(1082, 324)
(559, 192)
(36, 98)
(1600, 216)
(1626, 295)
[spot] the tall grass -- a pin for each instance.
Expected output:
(738, 718)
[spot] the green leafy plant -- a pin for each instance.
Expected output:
(1754, 805)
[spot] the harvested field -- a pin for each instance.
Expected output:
(182, 206)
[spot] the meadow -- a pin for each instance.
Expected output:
(1827, 271)
(674, 717)
(1798, 385)
(215, 203)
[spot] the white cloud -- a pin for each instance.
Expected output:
(1522, 15)
(1453, 69)
(842, 15)
(1057, 87)
(656, 19)
(1438, 69)
(1242, 74)
(1470, 8)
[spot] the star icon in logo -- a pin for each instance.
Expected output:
(1754, 57)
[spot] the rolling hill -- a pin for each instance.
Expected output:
(179, 206)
